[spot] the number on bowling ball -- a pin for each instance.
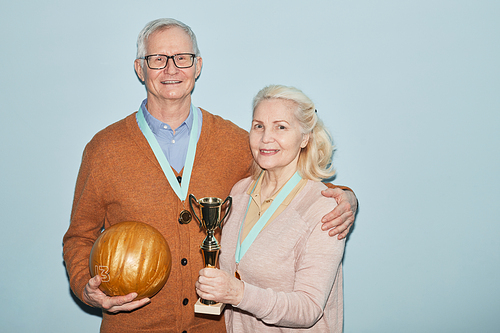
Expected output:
(103, 272)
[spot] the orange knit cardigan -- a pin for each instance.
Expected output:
(121, 180)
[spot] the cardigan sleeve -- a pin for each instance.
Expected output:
(316, 269)
(345, 188)
(87, 220)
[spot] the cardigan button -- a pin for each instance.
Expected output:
(179, 179)
(185, 301)
(184, 262)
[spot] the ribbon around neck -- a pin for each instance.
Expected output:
(242, 247)
(181, 190)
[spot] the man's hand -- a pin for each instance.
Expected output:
(220, 286)
(339, 221)
(93, 296)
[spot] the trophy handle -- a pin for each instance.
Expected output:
(191, 197)
(230, 200)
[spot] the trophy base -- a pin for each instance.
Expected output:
(214, 309)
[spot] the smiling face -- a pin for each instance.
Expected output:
(276, 137)
(170, 84)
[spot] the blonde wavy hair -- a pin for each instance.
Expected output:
(314, 159)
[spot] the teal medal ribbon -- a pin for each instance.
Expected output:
(242, 247)
(181, 190)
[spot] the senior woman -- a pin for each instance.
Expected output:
(277, 269)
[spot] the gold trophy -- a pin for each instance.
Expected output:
(210, 208)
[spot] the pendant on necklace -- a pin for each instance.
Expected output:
(185, 217)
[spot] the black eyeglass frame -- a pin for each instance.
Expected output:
(193, 56)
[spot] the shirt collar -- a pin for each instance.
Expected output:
(156, 124)
(256, 191)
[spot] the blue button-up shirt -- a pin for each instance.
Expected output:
(174, 146)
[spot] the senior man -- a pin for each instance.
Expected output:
(142, 168)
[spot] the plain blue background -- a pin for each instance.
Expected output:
(409, 89)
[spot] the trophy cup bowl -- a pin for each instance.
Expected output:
(210, 208)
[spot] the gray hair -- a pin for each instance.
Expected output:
(160, 24)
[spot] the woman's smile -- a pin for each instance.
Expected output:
(276, 137)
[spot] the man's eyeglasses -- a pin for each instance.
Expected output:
(159, 61)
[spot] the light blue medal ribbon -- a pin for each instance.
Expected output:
(180, 189)
(242, 247)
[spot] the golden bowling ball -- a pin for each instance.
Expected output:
(131, 257)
